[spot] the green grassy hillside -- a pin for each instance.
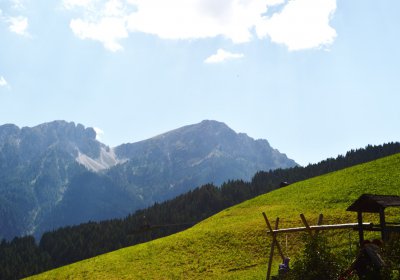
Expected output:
(233, 244)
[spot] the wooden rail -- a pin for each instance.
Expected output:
(322, 227)
(312, 230)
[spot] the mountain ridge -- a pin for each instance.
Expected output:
(47, 169)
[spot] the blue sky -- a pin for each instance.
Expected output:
(313, 77)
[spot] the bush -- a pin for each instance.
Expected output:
(392, 258)
(316, 261)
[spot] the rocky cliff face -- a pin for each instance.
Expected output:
(208, 152)
(57, 173)
(37, 165)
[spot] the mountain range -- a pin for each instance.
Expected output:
(57, 174)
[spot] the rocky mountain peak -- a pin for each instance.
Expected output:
(31, 143)
(56, 165)
(63, 130)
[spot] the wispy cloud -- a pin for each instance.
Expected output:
(13, 18)
(99, 133)
(18, 25)
(300, 24)
(69, 4)
(18, 4)
(222, 56)
(3, 82)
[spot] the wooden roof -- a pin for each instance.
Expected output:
(374, 203)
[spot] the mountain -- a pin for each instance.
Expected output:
(58, 174)
(179, 160)
(36, 165)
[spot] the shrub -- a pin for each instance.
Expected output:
(316, 261)
(392, 258)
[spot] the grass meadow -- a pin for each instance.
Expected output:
(233, 244)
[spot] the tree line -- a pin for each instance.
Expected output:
(22, 256)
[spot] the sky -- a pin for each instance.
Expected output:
(315, 78)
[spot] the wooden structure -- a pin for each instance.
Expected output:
(369, 203)
(313, 230)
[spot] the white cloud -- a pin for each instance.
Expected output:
(3, 82)
(301, 24)
(222, 56)
(105, 22)
(18, 25)
(99, 133)
(108, 31)
(193, 19)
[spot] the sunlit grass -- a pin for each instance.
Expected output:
(233, 244)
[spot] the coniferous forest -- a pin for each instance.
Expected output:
(24, 256)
